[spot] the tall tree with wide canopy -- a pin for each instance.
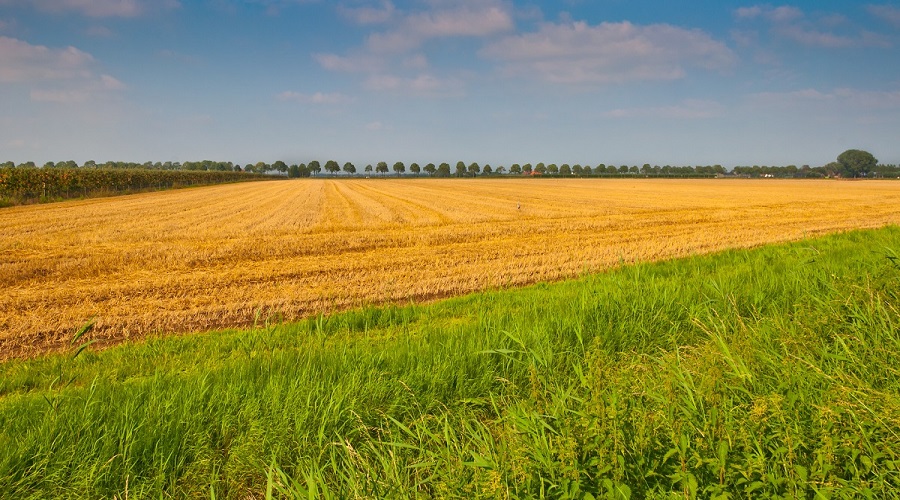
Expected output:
(856, 163)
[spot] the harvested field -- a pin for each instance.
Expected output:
(233, 255)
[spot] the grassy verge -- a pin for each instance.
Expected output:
(768, 372)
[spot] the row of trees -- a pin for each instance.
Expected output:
(23, 185)
(851, 163)
(462, 170)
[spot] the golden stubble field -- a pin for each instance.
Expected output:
(196, 259)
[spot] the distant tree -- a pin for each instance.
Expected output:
(279, 166)
(399, 167)
(856, 163)
(460, 169)
(443, 170)
(293, 172)
(473, 169)
(332, 167)
(7, 164)
(314, 167)
(487, 170)
(540, 168)
(49, 164)
(381, 168)
(586, 170)
(415, 168)
(552, 169)
(623, 169)
(565, 169)
(430, 169)
(368, 169)
(526, 168)
(633, 169)
(349, 168)
(501, 170)
(577, 169)
(833, 169)
(515, 168)
(600, 169)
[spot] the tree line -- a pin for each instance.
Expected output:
(25, 185)
(851, 163)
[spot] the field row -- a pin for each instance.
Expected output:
(233, 255)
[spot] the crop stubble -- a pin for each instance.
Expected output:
(230, 255)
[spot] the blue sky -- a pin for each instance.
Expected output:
(492, 81)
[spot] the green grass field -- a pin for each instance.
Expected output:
(772, 372)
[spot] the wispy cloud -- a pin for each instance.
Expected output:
(691, 109)
(354, 63)
(99, 32)
(393, 58)
(97, 8)
(376, 126)
(578, 53)
(826, 39)
(59, 75)
(475, 19)
(314, 98)
(854, 98)
(21, 61)
(420, 85)
(77, 93)
(369, 14)
(886, 13)
(775, 14)
(824, 31)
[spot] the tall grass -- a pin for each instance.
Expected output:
(768, 372)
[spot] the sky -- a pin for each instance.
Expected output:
(490, 81)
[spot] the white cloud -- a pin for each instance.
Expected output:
(110, 83)
(369, 14)
(417, 61)
(22, 62)
(744, 38)
(421, 85)
(826, 39)
(60, 96)
(886, 13)
(775, 14)
(393, 59)
(851, 98)
(97, 8)
(576, 53)
(476, 20)
(790, 23)
(315, 98)
(99, 32)
(690, 109)
(357, 63)
(57, 75)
